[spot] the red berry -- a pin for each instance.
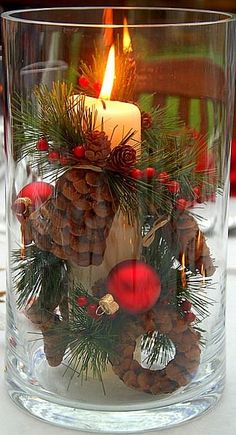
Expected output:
(189, 317)
(181, 204)
(53, 156)
(82, 301)
(91, 309)
(83, 82)
(64, 160)
(42, 145)
(197, 191)
(149, 173)
(163, 177)
(186, 306)
(136, 173)
(173, 186)
(79, 151)
(97, 87)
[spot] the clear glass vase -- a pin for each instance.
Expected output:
(118, 131)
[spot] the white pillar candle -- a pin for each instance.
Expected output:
(118, 119)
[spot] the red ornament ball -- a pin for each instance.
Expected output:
(82, 301)
(42, 144)
(53, 156)
(79, 151)
(149, 173)
(173, 186)
(134, 285)
(83, 82)
(136, 173)
(38, 192)
(163, 177)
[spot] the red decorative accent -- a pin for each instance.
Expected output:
(38, 192)
(79, 151)
(173, 186)
(53, 156)
(197, 192)
(181, 204)
(97, 87)
(189, 317)
(149, 173)
(82, 301)
(83, 82)
(163, 177)
(186, 306)
(42, 144)
(136, 173)
(64, 160)
(91, 310)
(134, 285)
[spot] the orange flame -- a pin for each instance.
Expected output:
(127, 46)
(183, 274)
(109, 75)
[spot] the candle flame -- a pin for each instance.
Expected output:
(109, 75)
(127, 46)
(183, 274)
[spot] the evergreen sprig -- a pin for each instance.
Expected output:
(158, 347)
(39, 274)
(91, 342)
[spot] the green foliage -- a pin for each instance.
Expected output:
(39, 274)
(159, 347)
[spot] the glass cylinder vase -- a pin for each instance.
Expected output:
(118, 131)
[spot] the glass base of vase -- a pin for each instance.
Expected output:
(154, 418)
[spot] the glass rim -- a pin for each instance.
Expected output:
(227, 17)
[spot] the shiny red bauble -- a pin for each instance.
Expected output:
(37, 192)
(149, 173)
(134, 285)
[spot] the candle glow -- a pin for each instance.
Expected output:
(109, 76)
(127, 46)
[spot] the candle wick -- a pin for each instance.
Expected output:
(103, 104)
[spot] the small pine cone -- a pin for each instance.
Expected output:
(97, 146)
(122, 158)
(146, 120)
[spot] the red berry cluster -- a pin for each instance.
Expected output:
(172, 186)
(83, 302)
(85, 84)
(55, 157)
(186, 307)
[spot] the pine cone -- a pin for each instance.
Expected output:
(122, 158)
(191, 241)
(146, 120)
(97, 147)
(74, 222)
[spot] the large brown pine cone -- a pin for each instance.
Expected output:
(97, 147)
(75, 221)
